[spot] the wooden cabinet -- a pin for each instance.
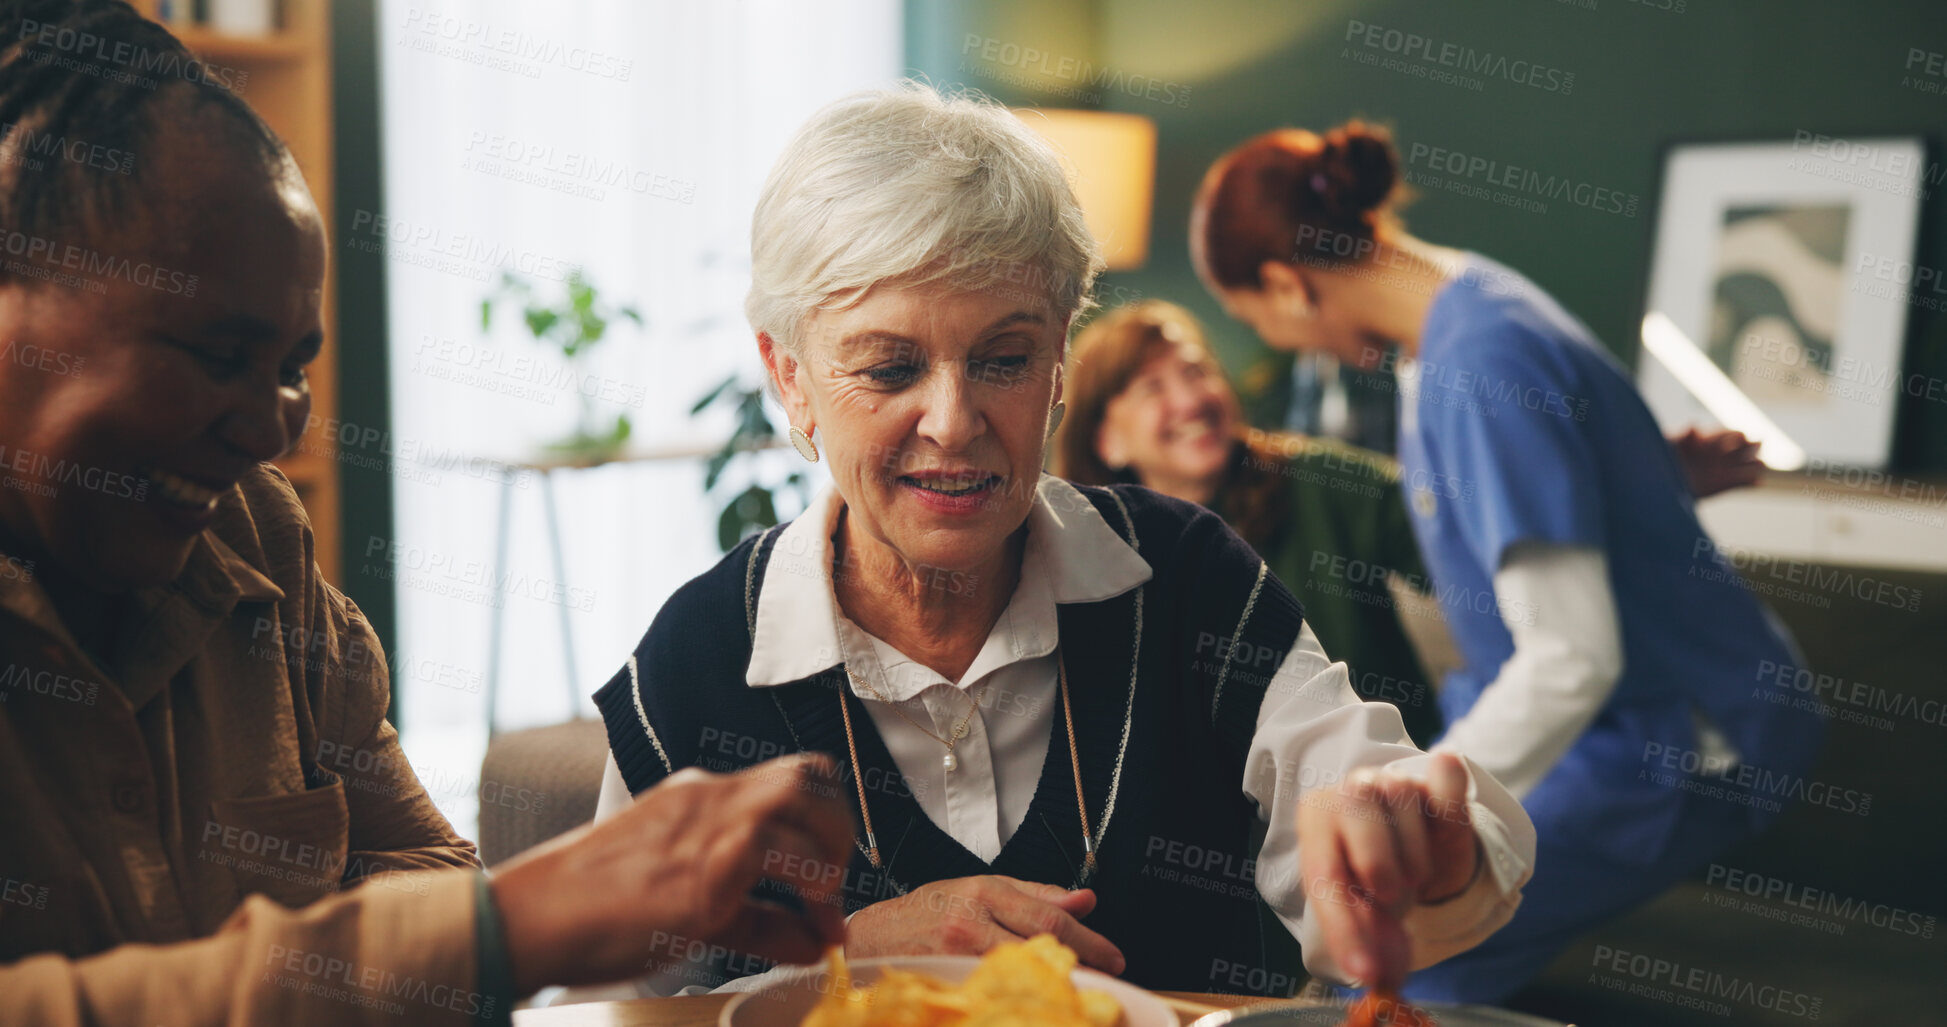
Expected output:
(286, 77)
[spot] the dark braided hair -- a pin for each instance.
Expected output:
(85, 87)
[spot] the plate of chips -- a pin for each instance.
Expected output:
(1035, 983)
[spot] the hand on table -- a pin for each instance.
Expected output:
(969, 915)
(676, 867)
(1717, 461)
(1375, 847)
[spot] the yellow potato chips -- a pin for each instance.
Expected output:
(1018, 984)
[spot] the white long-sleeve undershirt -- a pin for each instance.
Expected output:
(1558, 605)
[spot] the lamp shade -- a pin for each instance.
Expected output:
(1111, 163)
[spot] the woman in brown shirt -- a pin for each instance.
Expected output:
(207, 817)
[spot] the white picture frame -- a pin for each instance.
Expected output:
(1781, 262)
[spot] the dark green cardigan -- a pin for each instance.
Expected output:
(1346, 528)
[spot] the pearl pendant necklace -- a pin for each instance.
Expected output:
(949, 762)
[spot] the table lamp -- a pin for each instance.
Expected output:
(1111, 163)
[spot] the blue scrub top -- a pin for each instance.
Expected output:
(1525, 429)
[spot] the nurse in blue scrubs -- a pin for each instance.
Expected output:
(1617, 672)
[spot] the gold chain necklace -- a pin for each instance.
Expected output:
(950, 761)
(1074, 763)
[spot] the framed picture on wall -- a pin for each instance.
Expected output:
(1778, 292)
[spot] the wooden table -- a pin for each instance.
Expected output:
(702, 1010)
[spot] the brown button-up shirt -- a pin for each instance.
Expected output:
(214, 786)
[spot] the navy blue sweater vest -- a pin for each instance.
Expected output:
(1162, 762)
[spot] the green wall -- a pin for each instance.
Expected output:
(1643, 76)
(364, 389)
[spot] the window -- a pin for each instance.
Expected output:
(627, 138)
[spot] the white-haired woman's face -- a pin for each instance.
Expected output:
(931, 404)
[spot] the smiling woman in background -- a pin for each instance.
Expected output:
(192, 722)
(1149, 403)
(1611, 628)
(1061, 706)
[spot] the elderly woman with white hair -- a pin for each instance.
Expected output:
(1059, 709)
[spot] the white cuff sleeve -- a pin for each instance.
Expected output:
(1312, 730)
(615, 792)
(1557, 604)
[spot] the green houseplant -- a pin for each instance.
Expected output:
(755, 507)
(574, 324)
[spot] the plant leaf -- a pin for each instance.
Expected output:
(753, 510)
(753, 424)
(757, 507)
(718, 462)
(711, 396)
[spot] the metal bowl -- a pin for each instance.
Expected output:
(1444, 1015)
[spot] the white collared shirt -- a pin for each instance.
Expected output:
(1312, 729)
(1070, 556)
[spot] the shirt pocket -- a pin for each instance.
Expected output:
(54, 905)
(290, 847)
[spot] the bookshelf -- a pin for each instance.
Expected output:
(286, 77)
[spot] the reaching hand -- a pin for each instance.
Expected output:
(676, 868)
(1717, 461)
(1372, 849)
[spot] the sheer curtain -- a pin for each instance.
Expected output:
(628, 139)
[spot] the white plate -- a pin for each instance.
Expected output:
(783, 999)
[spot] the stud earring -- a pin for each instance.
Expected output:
(801, 441)
(1054, 416)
